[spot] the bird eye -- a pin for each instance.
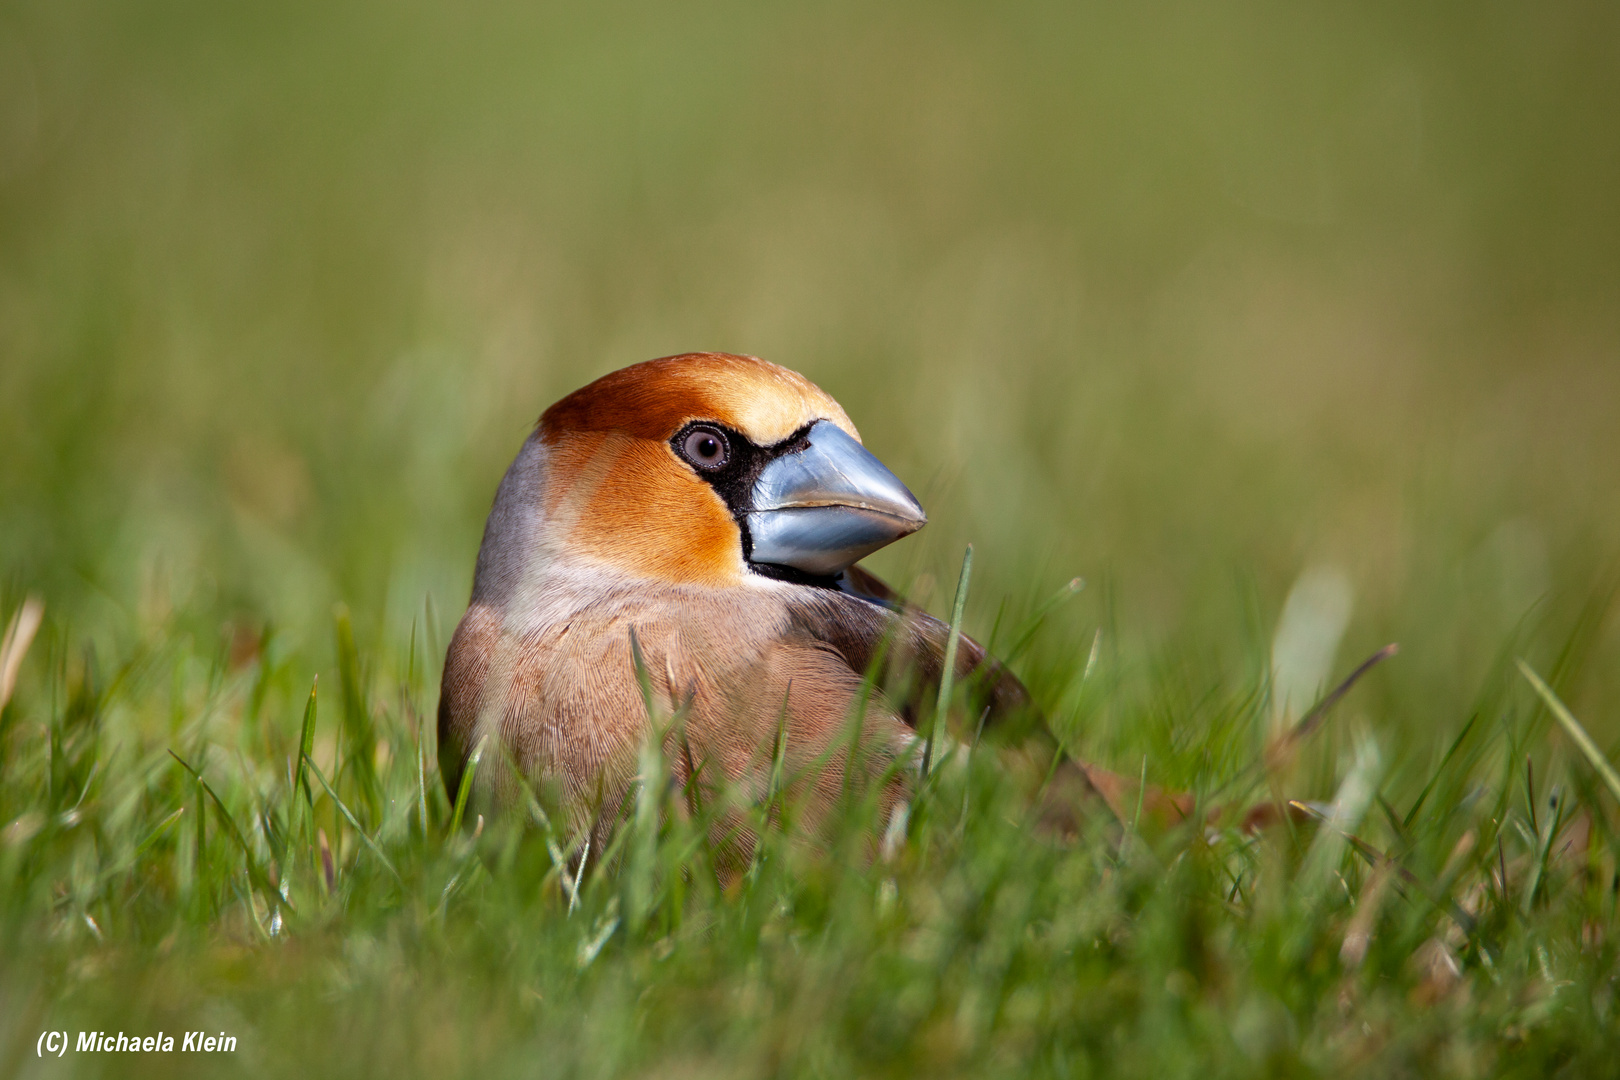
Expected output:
(706, 448)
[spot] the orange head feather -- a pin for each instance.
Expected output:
(619, 489)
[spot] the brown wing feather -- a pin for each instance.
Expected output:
(855, 621)
(904, 648)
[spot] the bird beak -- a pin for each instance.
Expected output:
(825, 507)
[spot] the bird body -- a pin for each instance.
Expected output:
(713, 506)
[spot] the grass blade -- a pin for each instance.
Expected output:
(14, 646)
(947, 674)
(649, 789)
(306, 742)
(260, 879)
(421, 782)
(355, 824)
(464, 789)
(1033, 625)
(643, 680)
(1411, 815)
(159, 829)
(1313, 719)
(360, 732)
(1572, 727)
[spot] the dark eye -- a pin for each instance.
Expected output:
(706, 448)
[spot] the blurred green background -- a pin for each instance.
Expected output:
(1183, 298)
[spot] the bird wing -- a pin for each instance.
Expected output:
(856, 620)
(903, 648)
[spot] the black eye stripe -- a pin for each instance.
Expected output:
(733, 479)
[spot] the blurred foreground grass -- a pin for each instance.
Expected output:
(1293, 331)
(174, 863)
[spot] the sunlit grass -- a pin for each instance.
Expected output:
(169, 857)
(1290, 329)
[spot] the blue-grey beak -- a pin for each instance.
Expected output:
(825, 507)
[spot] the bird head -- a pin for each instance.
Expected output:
(708, 468)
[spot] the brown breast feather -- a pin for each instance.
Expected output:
(567, 706)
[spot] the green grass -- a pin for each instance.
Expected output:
(1291, 330)
(172, 861)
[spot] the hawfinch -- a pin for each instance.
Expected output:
(711, 508)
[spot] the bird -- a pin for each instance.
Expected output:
(689, 528)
